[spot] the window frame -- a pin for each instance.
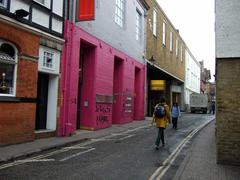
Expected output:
(45, 60)
(171, 42)
(164, 33)
(154, 22)
(138, 25)
(46, 3)
(119, 14)
(14, 71)
(177, 47)
(43, 3)
(4, 4)
(181, 53)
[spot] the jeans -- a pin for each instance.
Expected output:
(174, 122)
(160, 136)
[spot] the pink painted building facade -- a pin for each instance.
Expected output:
(100, 85)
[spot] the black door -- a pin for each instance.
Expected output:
(42, 100)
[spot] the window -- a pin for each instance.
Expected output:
(138, 26)
(181, 51)
(3, 3)
(41, 1)
(119, 12)
(164, 34)
(177, 47)
(8, 63)
(171, 41)
(154, 23)
(48, 60)
(46, 3)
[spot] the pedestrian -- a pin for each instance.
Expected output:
(175, 113)
(213, 107)
(161, 116)
(210, 107)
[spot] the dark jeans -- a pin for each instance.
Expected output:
(174, 122)
(160, 136)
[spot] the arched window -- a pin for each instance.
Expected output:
(8, 67)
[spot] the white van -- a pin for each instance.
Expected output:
(198, 102)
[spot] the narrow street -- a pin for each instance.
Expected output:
(127, 155)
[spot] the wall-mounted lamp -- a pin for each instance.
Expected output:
(152, 59)
(3, 84)
(20, 13)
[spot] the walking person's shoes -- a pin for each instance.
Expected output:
(157, 147)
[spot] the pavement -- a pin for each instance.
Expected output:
(199, 163)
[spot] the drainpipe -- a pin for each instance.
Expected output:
(66, 125)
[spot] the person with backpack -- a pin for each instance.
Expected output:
(175, 113)
(161, 116)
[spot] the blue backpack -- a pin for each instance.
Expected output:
(160, 111)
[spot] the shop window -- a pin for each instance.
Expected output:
(8, 65)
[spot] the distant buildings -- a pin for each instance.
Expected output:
(192, 78)
(205, 77)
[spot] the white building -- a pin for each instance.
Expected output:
(192, 77)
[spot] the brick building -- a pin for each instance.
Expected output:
(165, 57)
(227, 81)
(30, 46)
(205, 77)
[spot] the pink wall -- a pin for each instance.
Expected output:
(98, 78)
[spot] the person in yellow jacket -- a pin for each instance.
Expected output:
(161, 119)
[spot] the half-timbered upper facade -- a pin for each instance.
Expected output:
(45, 15)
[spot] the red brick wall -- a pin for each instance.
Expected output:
(17, 119)
(17, 122)
(27, 79)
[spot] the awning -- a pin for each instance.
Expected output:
(163, 70)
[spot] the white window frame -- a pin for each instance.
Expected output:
(119, 12)
(46, 3)
(164, 34)
(154, 22)
(176, 47)
(171, 41)
(138, 25)
(45, 64)
(54, 69)
(4, 4)
(14, 71)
